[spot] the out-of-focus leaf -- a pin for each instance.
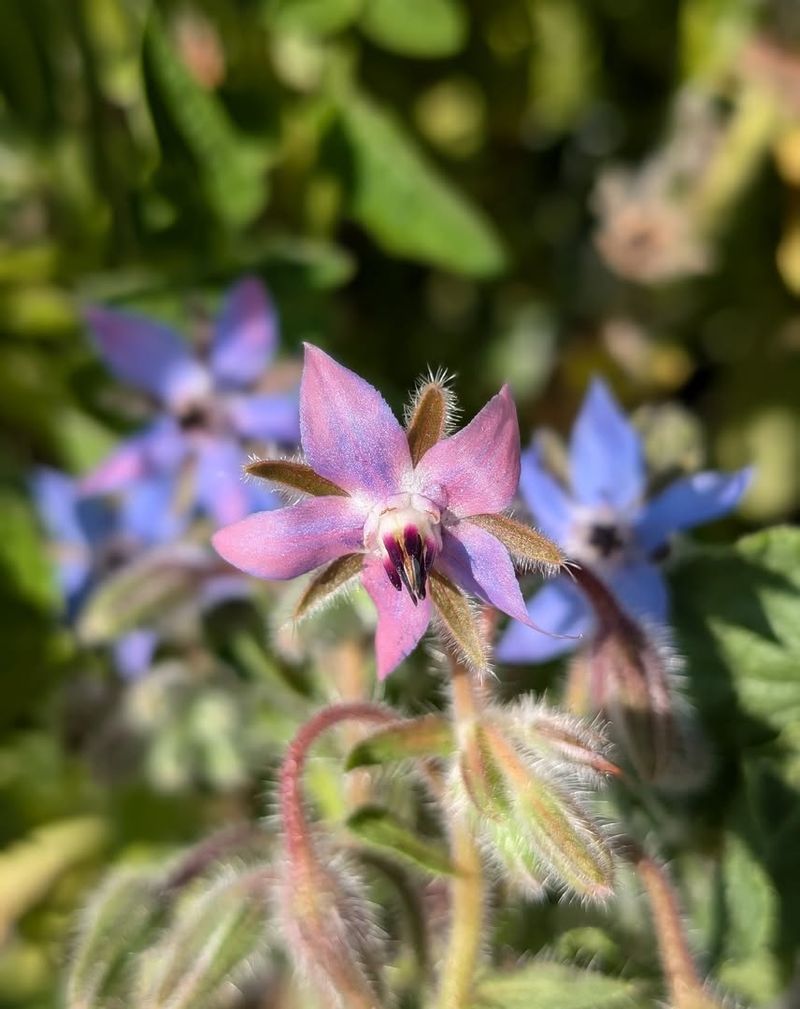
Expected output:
(563, 62)
(403, 201)
(737, 615)
(233, 168)
(29, 868)
(751, 921)
(112, 929)
(144, 590)
(217, 931)
(416, 27)
(378, 828)
(317, 17)
(712, 32)
(556, 986)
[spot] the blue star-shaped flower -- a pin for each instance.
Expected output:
(208, 407)
(92, 537)
(606, 523)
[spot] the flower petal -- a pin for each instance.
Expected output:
(477, 562)
(606, 461)
(54, 495)
(133, 652)
(290, 541)
(148, 355)
(479, 465)
(401, 624)
(159, 447)
(349, 434)
(558, 608)
(690, 502)
(267, 418)
(149, 513)
(246, 335)
(642, 591)
(546, 499)
(220, 487)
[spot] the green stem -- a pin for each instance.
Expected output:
(468, 887)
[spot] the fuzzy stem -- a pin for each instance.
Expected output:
(468, 887)
(680, 971)
(297, 831)
(304, 864)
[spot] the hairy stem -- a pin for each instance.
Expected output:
(468, 887)
(297, 831)
(684, 983)
(306, 871)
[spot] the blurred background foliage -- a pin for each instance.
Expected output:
(520, 190)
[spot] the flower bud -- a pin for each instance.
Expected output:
(527, 815)
(219, 929)
(329, 929)
(627, 674)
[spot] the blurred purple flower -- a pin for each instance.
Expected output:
(208, 409)
(399, 523)
(607, 524)
(93, 537)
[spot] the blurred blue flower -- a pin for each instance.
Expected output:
(607, 524)
(93, 537)
(209, 407)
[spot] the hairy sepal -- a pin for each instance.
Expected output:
(295, 476)
(429, 418)
(459, 622)
(530, 549)
(327, 584)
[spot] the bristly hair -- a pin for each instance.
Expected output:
(442, 379)
(288, 495)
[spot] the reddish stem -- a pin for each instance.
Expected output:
(296, 830)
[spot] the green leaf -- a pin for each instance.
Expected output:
(416, 27)
(232, 168)
(378, 828)
(737, 617)
(427, 736)
(556, 986)
(407, 206)
(314, 17)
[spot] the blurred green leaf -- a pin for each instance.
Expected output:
(378, 828)
(233, 169)
(563, 62)
(556, 986)
(737, 616)
(416, 27)
(403, 201)
(317, 17)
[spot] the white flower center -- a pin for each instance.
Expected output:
(600, 537)
(405, 531)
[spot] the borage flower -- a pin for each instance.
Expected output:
(209, 407)
(608, 525)
(91, 539)
(417, 513)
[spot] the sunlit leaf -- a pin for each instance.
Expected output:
(416, 27)
(403, 201)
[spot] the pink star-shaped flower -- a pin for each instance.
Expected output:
(416, 513)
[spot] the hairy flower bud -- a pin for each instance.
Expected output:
(329, 929)
(526, 812)
(627, 674)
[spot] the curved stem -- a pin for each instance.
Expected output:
(296, 828)
(468, 887)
